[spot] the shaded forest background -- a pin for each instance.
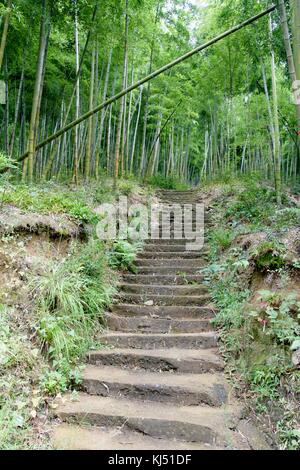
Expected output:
(212, 115)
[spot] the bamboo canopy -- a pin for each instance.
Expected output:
(146, 79)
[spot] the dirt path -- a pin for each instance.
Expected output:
(160, 382)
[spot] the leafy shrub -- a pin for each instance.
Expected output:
(269, 256)
(286, 218)
(220, 239)
(279, 316)
(254, 204)
(6, 162)
(163, 182)
(123, 255)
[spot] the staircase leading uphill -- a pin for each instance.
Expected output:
(159, 383)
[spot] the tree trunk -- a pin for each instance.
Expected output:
(5, 31)
(290, 57)
(122, 104)
(44, 38)
(17, 112)
(277, 157)
(88, 157)
(77, 106)
(103, 112)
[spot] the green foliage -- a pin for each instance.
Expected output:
(220, 239)
(254, 204)
(123, 254)
(6, 162)
(50, 199)
(160, 181)
(286, 218)
(70, 299)
(279, 316)
(269, 256)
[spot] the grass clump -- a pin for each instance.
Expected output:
(70, 299)
(49, 200)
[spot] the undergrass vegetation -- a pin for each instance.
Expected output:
(55, 315)
(253, 274)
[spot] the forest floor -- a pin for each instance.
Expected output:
(57, 280)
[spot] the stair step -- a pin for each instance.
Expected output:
(169, 312)
(164, 290)
(158, 325)
(154, 341)
(185, 423)
(168, 360)
(170, 263)
(165, 299)
(167, 247)
(171, 255)
(161, 279)
(169, 270)
(72, 437)
(187, 389)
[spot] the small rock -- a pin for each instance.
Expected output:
(296, 358)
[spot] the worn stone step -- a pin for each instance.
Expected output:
(156, 325)
(166, 360)
(156, 289)
(160, 241)
(173, 247)
(170, 255)
(185, 423)
(187, 389)
(164, 299)
(168, 270)
(170, 312)
(154, 341)
(72, 437)
(161, 279)
(170, 263)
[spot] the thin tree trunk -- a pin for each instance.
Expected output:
(5, 31)
(88, 157)
(44, 38)
(103, 112)
(122, 104)
(17, 112)
(77, 106)
(277, 157)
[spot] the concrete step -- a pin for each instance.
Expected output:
(156, 325)
(160, 241)
(170, 255)
(161, 279)
(185, 423)
(72, 437)
(158, 341)
(145, 299)
(187, 389)
(164, 290)
(169, 270)
(173, 247)
(166, 360)
(169, 312)
(170, 263)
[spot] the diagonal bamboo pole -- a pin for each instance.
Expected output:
(154, 74)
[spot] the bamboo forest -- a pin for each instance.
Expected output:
(180, 331)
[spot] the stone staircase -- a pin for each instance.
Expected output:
(159, 382)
